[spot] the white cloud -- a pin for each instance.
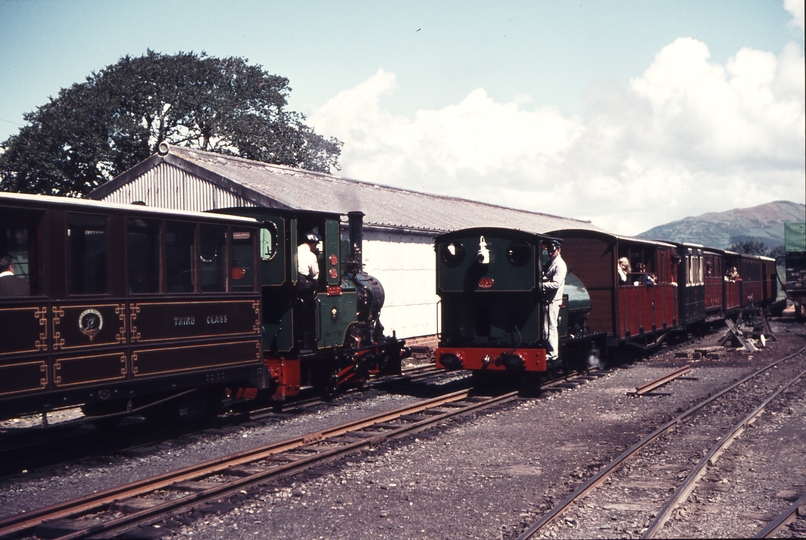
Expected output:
(475, 136)
(795, 8)
(688, 136)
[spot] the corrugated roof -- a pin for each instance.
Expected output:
(383, 206)
(90, 205)
(568, 231)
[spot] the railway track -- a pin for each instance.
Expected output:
(673, 459)
(30, 448)
(128, 508)
(124, 508)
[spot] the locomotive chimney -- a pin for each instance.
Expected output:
(356, 223)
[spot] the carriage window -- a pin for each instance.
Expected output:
(18, 251)
(453, 253)
(179, 240)
(692, 270)
(243, 260)
(213, 258)
(519, 253)
(143, 253)
(86, 237)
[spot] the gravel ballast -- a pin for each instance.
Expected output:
(483, 476)
(491, 475)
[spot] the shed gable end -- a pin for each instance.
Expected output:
(167, 186)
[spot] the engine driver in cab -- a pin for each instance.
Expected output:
(307, 262)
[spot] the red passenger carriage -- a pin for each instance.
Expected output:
(634, 311)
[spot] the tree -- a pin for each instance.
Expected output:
(777, 251)
(97, 129)
(749, 247)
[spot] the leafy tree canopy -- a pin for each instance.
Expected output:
(777, 251)
(97, 129)
(749, 247)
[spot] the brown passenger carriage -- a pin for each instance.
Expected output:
(125, 305)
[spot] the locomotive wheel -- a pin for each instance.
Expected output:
(332, 387)
(530, 384)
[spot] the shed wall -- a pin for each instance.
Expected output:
(166, 186)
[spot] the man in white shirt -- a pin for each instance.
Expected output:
(10, 285)
(307, 262)
(553, 285)
(307, 279)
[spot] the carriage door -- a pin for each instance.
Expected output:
(24, 347)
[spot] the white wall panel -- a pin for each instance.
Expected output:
(404, 263)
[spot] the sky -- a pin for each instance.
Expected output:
(630, 113)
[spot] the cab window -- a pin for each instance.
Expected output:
(268, 242)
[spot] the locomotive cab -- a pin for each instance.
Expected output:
(322, 332)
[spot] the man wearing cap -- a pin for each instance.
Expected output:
(307, 262)
(553, 284)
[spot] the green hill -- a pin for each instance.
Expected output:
(763, 223)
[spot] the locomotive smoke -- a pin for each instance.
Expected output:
(593, 358)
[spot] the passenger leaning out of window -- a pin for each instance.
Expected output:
(623, 268)
(645, 278)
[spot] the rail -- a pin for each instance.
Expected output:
(657, 383)
(622, 458)
(246, 468)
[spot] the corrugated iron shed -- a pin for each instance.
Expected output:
(170, 179)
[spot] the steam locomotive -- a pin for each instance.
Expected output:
(489, 284)
(127, 309)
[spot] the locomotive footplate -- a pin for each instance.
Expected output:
(492, 359)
